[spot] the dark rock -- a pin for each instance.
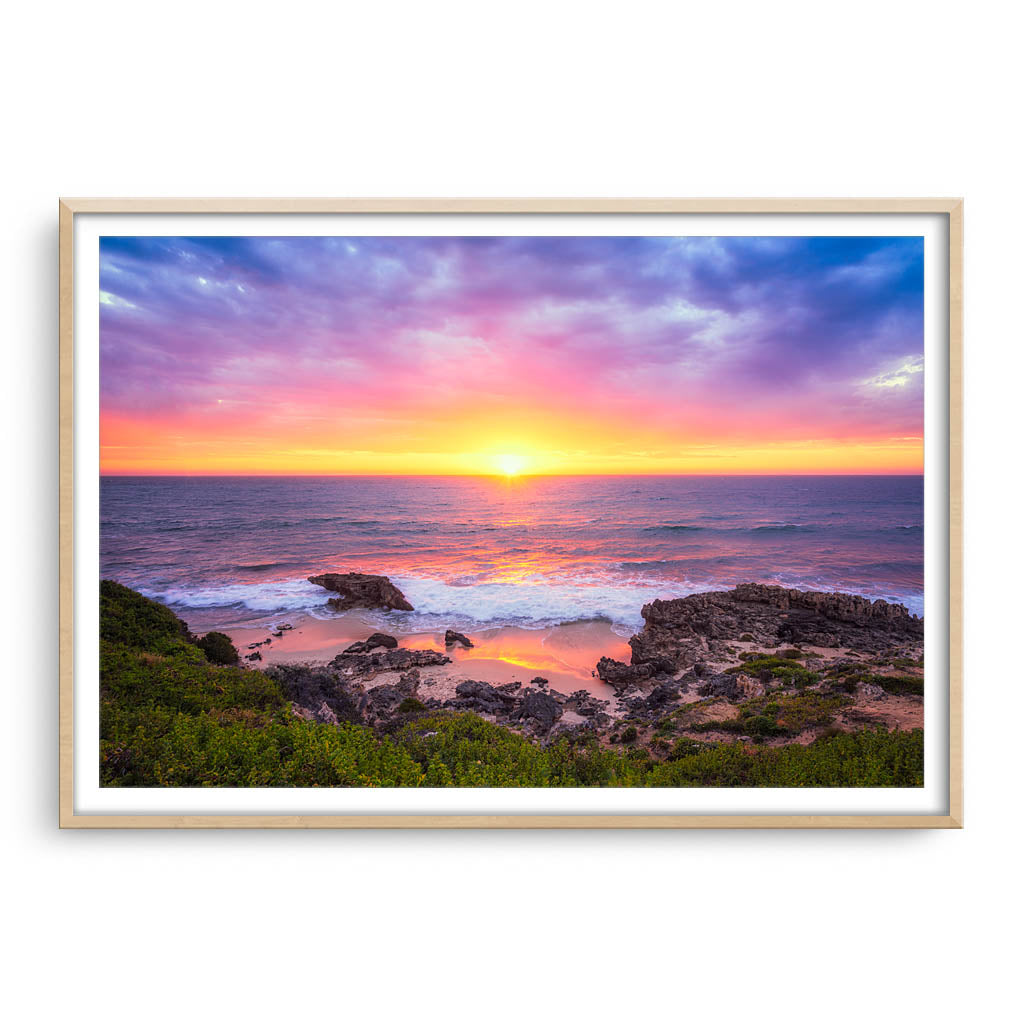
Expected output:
(665, 693)
(474, 695)
(380, 701)
(686, 631)
(477, 688)
(539, 681)
(584, 703)
(540, 709)
(360, 590)
(622, 676)
(255, 656)
(371, 643)
(720, 685)
(312, 688)
(451, 638)
(399, 660)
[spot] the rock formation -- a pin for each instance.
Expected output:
(371, 643)
(451, 638)
(681, 632)
(360, 590)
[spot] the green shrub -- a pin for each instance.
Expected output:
(131, 620)
(896, 685)
(629, 734)
(780, 714)
(899, 685)
(218, 649)
(786, 670)
(411, 704)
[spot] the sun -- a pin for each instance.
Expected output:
(510, 465)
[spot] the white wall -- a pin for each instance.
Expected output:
(447, 98)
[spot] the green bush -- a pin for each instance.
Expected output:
(896, 685)
(131, 620)
(218, 649)
(788, 671)
(779, 714)
(411, 704)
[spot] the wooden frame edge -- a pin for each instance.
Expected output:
(514, 821)
(508, 205)
(66, 535)
(956, 500)
(68, 207)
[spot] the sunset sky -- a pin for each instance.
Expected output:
(323, 355)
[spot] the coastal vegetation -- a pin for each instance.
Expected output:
(172, 714)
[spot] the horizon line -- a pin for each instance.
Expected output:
(485, 476)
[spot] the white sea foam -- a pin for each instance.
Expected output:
(540, 604)
(278, 595)
(437, 603)
(529, 604)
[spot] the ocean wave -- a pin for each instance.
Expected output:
(674, 528)
(761, 528)
(532, 604)
(280, 595)
(466, 604)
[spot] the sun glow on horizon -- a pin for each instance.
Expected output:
(510, 465)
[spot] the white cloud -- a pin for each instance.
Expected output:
(899, 376)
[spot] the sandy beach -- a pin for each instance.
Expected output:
(563, 655)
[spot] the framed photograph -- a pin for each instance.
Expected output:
(510, 513)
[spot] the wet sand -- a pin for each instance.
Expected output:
(564, 655)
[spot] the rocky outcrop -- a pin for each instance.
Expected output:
(686, 630)
(371, 643)
(539, 709)
(839, 607)
(710, 653)
(720, 685)
(475, 695)
(359, 590)
(401, 659)
(451, 638)
(313, 690)
(620, 676)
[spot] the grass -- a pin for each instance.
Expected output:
(896, 685)
(779, 714)
(786, 670)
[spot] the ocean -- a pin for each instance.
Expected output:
(473, 552)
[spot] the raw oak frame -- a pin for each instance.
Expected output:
(951, 207)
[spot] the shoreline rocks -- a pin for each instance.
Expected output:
(401, 659)
(681, 632)
(752, 663)
(360, 590)
(451, 638)
(371, 643)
